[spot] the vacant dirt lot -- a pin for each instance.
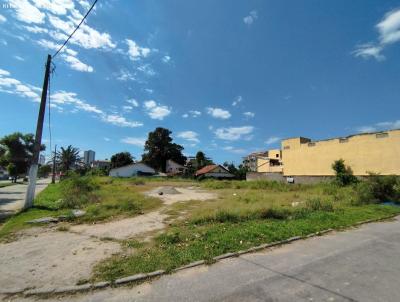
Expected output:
(45, 257)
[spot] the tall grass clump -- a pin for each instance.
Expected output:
(254, 184)
(378, 188)
(77, 191)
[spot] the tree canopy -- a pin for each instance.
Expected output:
(159, 148)
(67, 158)
(121, 159)
(16, 151)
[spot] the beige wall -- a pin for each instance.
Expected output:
(363, 153)
(263, 166)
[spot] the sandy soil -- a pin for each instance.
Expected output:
(185, 194)
(50, 259)
(124, 228)
(44, 257)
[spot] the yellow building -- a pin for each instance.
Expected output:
(270, 162)
(371, 152)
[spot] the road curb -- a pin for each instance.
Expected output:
(145, 276)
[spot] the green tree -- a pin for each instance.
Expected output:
(160, 148)
(12, 171)
(200, 160)
(67, 158)
(44, 170)
(344, 174)
(121, 159)
(17, 149)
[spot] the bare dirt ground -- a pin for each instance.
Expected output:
(44, 257)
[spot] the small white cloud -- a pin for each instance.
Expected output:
(133, 102)
(26, 12)
(234, 133)
(136, 52)
(251, 17)
(120, 121)
(237, 100)
(127, 108)
(234, 150)
(106, 139)
(389, 33)
(2, 19)
(156, 111)
(190, 136)
(147, 70)
(185, 115)
(124, 75)
(136, 141)
(389, 125)
(272, 140)
(218, 113)
(249, 114)
(166, 59)
(19, 58)
(192, 113)
(76, 64)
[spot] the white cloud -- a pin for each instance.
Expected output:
(389, 33)
(127, 108)
(156, 111)
(13, 86)
(19, 58)
(76, 64)
(166, 59)
(2, 19)
(251, 17)
(237, 100)
(133, 102)
(190, 136)
(147, 70)
(57, 7)
(389, 125)
(36, 29)
(192, 113)
(218, 113)
(106, 139)
(249, 114)
(272, 140)
(118, 120)
(136, 52)
(124, 75)
(136, 141)
(234, 150)
(234, 133)
(26, 12)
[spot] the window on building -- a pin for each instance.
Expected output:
(277, 155)
(286, 147)
(311, 144)
(382, 135)
(343, 140)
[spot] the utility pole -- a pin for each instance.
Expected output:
(53, 177)
(30, 192)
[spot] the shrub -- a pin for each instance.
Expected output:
(77, 191)
(344, 174)
(378, 188)
(275, 213)
(316, 204)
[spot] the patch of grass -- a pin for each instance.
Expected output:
(186, 243)
(6, 184)
(19, 222)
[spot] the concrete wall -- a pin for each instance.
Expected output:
(376, 152)
(281, 178)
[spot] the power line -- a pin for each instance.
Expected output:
(70, 36)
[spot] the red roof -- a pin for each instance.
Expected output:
(206, 169)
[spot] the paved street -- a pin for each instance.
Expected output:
(12, 197)
(357, 265)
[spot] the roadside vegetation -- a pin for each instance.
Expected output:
(247, 214)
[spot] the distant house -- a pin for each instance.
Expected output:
(173, 168)
(136, 169)
(101, 164)
(214, 171)
(3, 173)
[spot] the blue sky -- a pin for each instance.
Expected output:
(227, 77)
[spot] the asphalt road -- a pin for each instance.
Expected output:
(12, 198)
(356, 265)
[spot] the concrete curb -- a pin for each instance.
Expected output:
(140, 277)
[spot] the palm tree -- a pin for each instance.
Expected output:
(67, 158)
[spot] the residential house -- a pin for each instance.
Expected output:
(101, 164)
(135, 169)
(214, 171)
(173, 168)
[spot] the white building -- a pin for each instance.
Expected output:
(88, 157)
(136, 169)
(174, 168)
